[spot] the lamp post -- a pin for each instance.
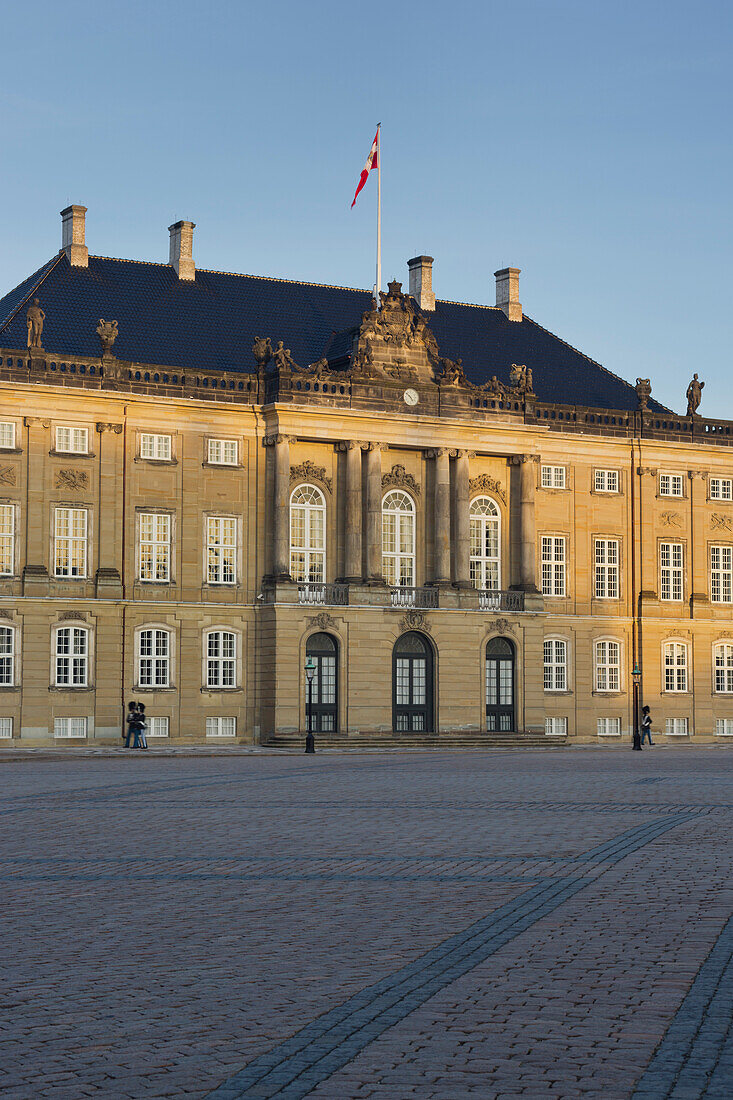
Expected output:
(637, 680)
(310, 671)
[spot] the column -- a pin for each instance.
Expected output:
(279, 447)
(463, 522)
(109, 514)
(528, 539)
(442, 515)
(353, 518)
(374, 513)
(35, 572)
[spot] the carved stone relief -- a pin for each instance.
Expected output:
(414, 620)
(485, 483)
(4, 614)
(72, 479)
(671, 519)
(75, 615)
(102, 427)
(7, 475)
(308, 471)
(499, 626)
(721, 523)
(398, 478)
(323, 621)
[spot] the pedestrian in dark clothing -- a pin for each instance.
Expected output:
(142, 726)
(132, 724)
(646, 725)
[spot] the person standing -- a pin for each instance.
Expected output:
(142, 726)
(646, 725)
(132, 725)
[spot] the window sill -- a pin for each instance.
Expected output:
(222, 465)
(674, 694)
(220, 691)
(74, 580)
(157, 461)
(6, 689)
(609, 695)
(557, 691)
(11, 451)
(606, 493)
(153, 690)
(71, 687)
(72, 454)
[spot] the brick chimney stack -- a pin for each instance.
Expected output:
(72, 235)
(421, 281)
(507, 292)
(181, 249)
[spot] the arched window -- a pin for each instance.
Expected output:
(154, 658)
(723, 653)
(499, 685)
(321, 697)
(412, 684)
(675, 666)
(7, 656)
(221, 659)
(72, 656)
(398, 539)
(608, 666)
(485, 543)
(308, 534)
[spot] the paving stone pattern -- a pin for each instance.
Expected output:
(416, 925)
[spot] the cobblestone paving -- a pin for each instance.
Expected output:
(425, 925)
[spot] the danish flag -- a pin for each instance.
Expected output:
(372, 161)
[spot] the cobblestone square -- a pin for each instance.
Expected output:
(511, 924)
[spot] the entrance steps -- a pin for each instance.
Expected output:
(470, 739)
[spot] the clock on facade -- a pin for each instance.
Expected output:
(410, 397)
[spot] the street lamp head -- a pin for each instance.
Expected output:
(310, 668)
(636, 673)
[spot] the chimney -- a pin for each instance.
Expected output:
(72, 236)
(507, 292)
(181, 250)
(421, 281)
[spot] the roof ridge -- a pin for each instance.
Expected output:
(43, 272)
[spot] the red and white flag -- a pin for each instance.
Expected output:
(372, 161)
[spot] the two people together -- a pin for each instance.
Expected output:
(136, 726)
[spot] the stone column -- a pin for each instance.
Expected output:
(279, 448)
(374, 514)
(442, 515)
(528, 535)
(463, 522)
(109, 514)
(35, 572)
(353, 518)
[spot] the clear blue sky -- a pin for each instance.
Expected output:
(587, 143)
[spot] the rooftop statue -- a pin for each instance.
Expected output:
(694, 396)
(262, 350)
(643, 392)
(282, 358)
(107, 332)
(34, 319)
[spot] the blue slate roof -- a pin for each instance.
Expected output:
(210, 323)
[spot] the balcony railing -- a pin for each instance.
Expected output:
(414, 597)
(495, 600)
(337, 594)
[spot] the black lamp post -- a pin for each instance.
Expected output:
(310, 671)
(637, 681)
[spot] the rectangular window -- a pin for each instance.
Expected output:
(157, 727)
(607, 558)
(608, 666)
(221, 727)
(154, 658)
(675, 666)
(157, 447)
(7, 656)
(553, 565)
(155, 547)
(223, 452)
(555, 664)
(553, 477)
(7, 539)
(72, 656)
(721, 488)
(723, 726)
(721, 574)
(69, 727)
(221, 653)
(6, 728)
(70, 542)
(608, 727)
(671, 485)
(221, 549)
(606, 481)
(73, 440)
(671, 575)
(676, 727)
(556, 727)
(7, 435)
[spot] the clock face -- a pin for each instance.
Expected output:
(410, 397)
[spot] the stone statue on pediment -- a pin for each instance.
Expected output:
(34, 320)
(394, 341)
(282, 358)
(643, 392)
(262, 351)
(694, 396)
(107, 332)
(520, 379)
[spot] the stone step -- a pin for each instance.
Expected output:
(412, 741)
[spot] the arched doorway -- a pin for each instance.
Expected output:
(500, 685)
(412, 684)
(321, 712)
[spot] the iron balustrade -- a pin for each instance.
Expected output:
(494, 600)
(403, 596)
(309, 593)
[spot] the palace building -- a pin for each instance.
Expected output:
(469, 531)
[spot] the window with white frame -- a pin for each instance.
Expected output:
(157, 726)
(398, 539)
(608, 727)
(676, 727)
(157, 447)
(553, 565)
(721, 488)
(69, 727)
(675, 666)
(221, 659)
(485, 542)
(671, 485)
(70, 542)
(154, 658)
(7, 539)
(608, 666)
(721, 574)
(671, 574)
(221, 727)
(7, 656)
(155, 546)
(223, 452)
(221, 549)
(72, 440)
(7, 435)
(72, 656)
(723, 727)
(723, 654)
(607, 562)
(308, 534)
(556, 727)
(6, 728)
(606, 481)
(553, 477)
(555, 664)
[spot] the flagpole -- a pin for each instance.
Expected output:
(379, 210)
